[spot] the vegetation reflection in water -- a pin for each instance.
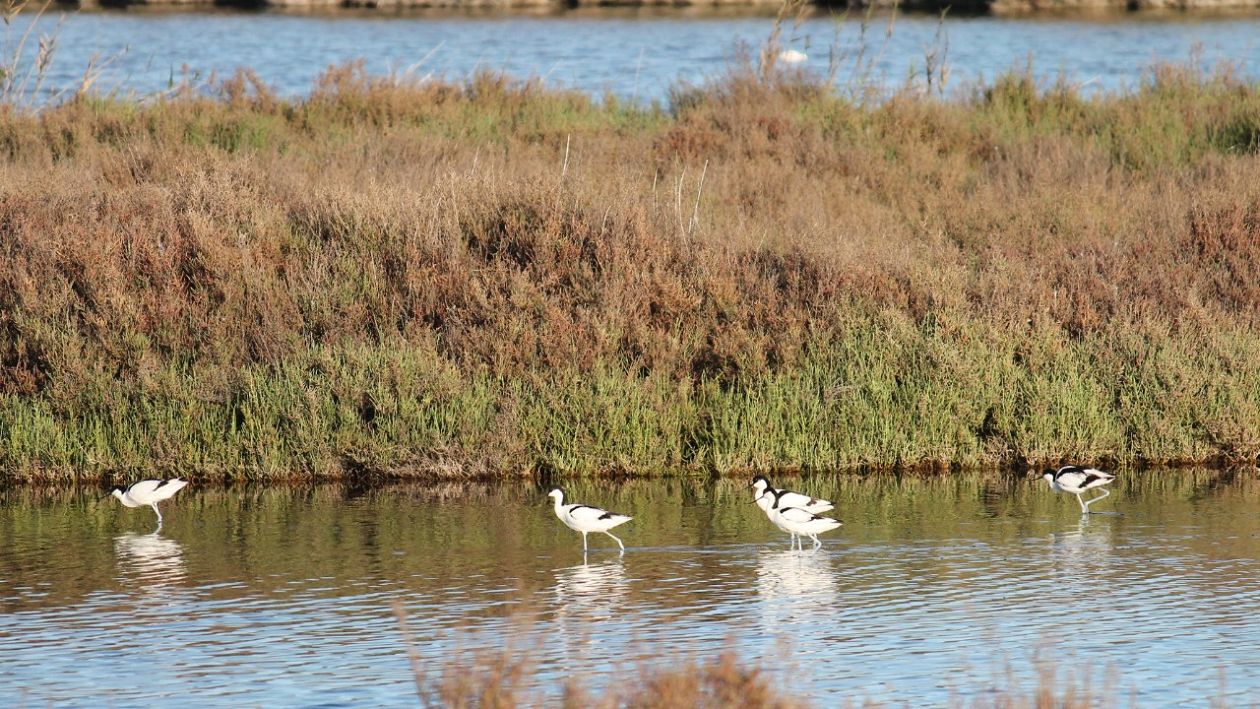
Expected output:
(930, 590)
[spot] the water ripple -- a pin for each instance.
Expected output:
(938, 599)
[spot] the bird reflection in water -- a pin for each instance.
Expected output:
(154, 561)
(588, 603)
(1081, 548)
(795, 590)
(591, 591)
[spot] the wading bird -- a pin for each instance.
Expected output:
(797, 521)
(1075, 480)
(586, 519)
(792, 56)
(149, 492)
(786, 498)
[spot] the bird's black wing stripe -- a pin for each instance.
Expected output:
(161, 484)
(606, 515)
(575, 508)
(1068, 469)
(1090, 479)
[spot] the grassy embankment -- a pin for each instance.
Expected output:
(493, 277)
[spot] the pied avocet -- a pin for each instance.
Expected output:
(586, 519)
(798, 521)
(1075, 480)
(787, 498)
(149, 492)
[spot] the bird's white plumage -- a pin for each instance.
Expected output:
(797, 521)
(804, 522)
(1071, 478)
(795, 516)
(767, 498)
(792, 56)
(786, 498)
(765, 502)
(149, 492)
(587, 519)
(1075, 480)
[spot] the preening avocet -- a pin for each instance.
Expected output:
(798, 521)
(1075, 480)
(787, 498)
(149, 492)
(587, 519)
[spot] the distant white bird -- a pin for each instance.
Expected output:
(586, 519)
(149, 492)
(792, 56)
(798, 521)
(1075, 480)
(787, 498)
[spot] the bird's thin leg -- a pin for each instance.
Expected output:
(1084, 507)
(1105, 492)
(623, 546)
(584, 542)
(816, 542)
(159, 512)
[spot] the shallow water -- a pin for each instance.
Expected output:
(934, 590)
(636, 55)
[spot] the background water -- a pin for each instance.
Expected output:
(635, 55)
(933, 591)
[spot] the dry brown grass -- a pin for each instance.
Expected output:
(197, 267)
(504, 681)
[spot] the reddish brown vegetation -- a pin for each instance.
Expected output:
(518, 232)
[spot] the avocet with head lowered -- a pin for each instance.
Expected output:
(587, 519)
(797, 521)
(149, 492)
(1075, 480)
(785, 498)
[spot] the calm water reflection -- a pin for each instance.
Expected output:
(931, 591)
(634, 55)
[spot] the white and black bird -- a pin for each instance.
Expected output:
(797, 521)
(587, 519)
(785, 498)
(1075, 480)
(149, 492)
